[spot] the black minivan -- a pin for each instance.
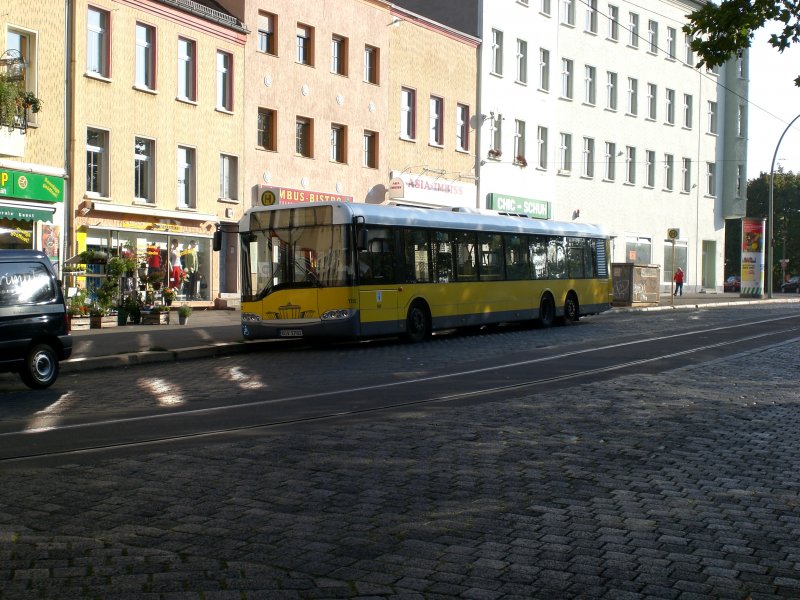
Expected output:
(34, 331)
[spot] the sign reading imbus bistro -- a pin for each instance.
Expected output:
(537, 209)
(31, 186)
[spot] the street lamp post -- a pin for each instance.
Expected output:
(771, 247)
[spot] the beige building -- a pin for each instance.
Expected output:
(157, 113)
(432, 113)
(32, 144)
(316, 104)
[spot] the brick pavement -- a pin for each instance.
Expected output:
(682, 485)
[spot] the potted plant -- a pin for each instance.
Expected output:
(520, 160)
(495, 153)
(169, 295)
(184, 310)
(157, 315)
(133, 305)
(100, 316)
(78, 311)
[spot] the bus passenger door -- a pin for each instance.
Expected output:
(378, 296)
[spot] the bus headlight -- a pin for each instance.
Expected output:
(250, 318)
(338, 314)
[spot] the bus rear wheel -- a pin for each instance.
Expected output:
(418, 324)
(547, 312)
(571, 309)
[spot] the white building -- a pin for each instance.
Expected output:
(593, 111)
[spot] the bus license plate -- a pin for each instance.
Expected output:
(291, 333)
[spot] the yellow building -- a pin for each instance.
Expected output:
(432, 106)
(316, 99)
(157, 114)
(32, 144)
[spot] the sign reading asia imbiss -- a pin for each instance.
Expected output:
(537, 209)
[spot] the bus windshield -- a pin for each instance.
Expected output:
(283, 258)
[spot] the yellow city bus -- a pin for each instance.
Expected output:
(351, 270)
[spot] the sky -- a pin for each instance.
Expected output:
(774, 102)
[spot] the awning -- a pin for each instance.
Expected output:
(25, 214)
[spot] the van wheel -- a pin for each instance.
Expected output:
(41, 367)
(547, 312)
(418, 324)
(571, 310)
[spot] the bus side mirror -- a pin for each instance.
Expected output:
(361, 239)
(217, 242)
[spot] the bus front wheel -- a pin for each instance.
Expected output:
(547, 312)
(571, 309)
(418, 323)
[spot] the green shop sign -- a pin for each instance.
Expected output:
(31, 186)
(25, 214)
(538, 209)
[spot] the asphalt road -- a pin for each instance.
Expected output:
(634, 484)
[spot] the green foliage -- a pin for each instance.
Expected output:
(15, 101)
(723, 30)
(184, 310)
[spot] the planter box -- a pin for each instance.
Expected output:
(79, 323)
(103, 322)
(159, 318)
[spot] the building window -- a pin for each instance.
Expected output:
(588, 157)
(462, 127)
(610, 161)
(590, 93)
(496, 134)
(669, 170)
(591, 16)
(630, 165)
(568, 12)
(338, 143)
(522, 61)
(98, 50)
(611, 88)
(671, 107)
(672, 37)
(143, 167)
(266, 129)
(371, 56)
(541, 143)
(650, 168)
(566, 78)
(145, 56)
(687, 47)
(686, 175)
(652, 36)
(371, 149)
(633, 28)
(544, 69)
(303, 140)
(519, 142)
(436, 120)
(96, 162)
(408, 114)
(712, 117)
(187, 69)
(305, 45)
(740, 121)
(613, 22)
(24, 43)
(497, 52)
(266, 32)
(565, 153)
(339, 55)
(633, 96)
(186, 178)
(544, 7)
(711, 178)
(652, 101)
(228, 177)
(224, 81)
(740, 178)
(687, 111)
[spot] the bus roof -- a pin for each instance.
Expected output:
(411, 216)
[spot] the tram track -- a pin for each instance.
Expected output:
(195, 425)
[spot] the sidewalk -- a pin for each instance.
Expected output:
(218, 333)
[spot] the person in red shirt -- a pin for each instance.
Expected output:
(678, 282)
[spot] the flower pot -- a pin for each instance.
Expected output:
(97, 322)
(183, 320)
(122, 317)
(155, 318)
(78, 323)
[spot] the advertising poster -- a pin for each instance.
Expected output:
(753, 258)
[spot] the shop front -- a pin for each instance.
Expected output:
(30, 212)
(434, 192)
(530, 207)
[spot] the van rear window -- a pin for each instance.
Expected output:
(25, 283)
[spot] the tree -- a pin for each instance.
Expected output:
(786, 227)
(724, 30)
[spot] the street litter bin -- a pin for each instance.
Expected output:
(635, 285)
